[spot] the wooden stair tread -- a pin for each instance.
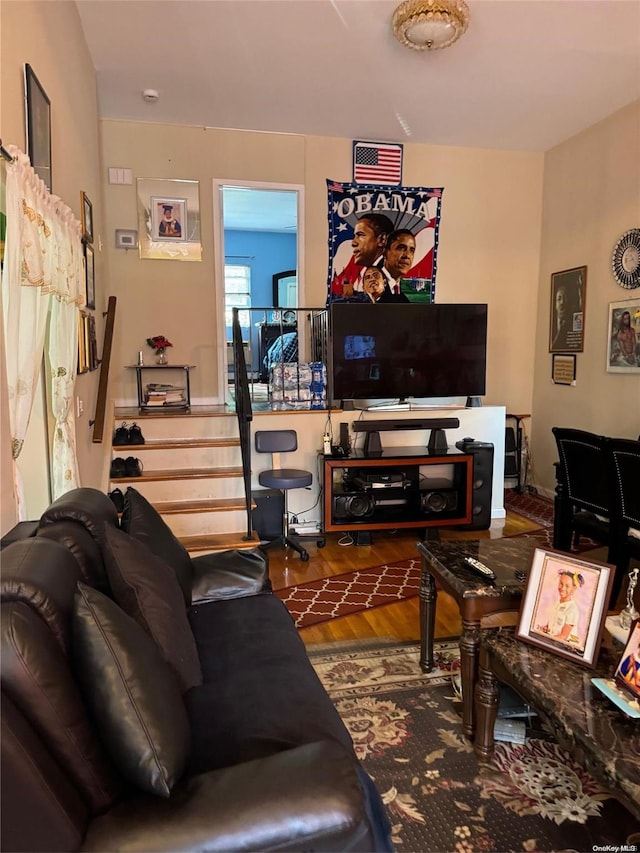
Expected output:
(220, 542)
(181, 474)
(134, 413)
(176, 444)
(206, 505)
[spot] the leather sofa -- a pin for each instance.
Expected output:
(151, 702)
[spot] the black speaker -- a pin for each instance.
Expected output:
(345, 444)
(267, 517)
(482, 452)
(438, 500)
(353, 505)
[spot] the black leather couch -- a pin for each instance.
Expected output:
(151, 702)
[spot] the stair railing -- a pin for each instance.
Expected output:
(103, 382)
(244, 411)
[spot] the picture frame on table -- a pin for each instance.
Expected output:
(627, 674)
(90, 276)
(86, 211)
(564, 606)
(38, 121)
(566, 322)
(623, 337)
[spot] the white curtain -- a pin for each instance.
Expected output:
(42, 245)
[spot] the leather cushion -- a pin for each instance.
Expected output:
(142, 521)
(44, 575)
(36, 675)
(146, 588)
(90, 507)
(230, 574)
(132, 693)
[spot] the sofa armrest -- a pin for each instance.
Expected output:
(229, 574)
(309, 797)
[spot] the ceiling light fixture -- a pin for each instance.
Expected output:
(430, 24)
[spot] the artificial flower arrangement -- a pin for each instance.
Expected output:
(159, 343)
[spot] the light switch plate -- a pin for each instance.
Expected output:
(126, 238)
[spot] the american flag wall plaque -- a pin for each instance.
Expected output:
(377, 163)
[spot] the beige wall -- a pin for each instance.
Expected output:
(591, 197)
(48, 36)
(489, 239)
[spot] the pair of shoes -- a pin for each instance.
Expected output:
(127, 435)
(117, 498)
(129, 467)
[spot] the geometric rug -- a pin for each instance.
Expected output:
(339, 595)
(407, 732)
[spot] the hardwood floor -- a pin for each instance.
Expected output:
(399, 620)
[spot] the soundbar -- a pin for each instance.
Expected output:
(437, 439)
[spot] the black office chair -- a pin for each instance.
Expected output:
(277, 441)
(623, 456)
(583, 493)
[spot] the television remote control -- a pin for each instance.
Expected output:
(479, 568)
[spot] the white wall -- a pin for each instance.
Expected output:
(591, 197)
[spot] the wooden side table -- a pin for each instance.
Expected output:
(139, 368)
(443, 564)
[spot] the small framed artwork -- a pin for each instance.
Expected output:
(87, 218)
(83, 362)
(90, 276)
(566, 324)
(38, 115)
(564, 606)
(168, 219)
(623, 337)
(563, 369)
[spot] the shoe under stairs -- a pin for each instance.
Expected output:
(191, 473)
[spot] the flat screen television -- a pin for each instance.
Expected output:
(397, 351)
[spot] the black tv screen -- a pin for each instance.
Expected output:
(402, 350)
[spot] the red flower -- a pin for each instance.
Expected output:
(159, 343)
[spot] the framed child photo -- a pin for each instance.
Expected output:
(169, 217)
(627, 674)
(564, 606)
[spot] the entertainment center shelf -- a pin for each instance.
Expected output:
(392, 488)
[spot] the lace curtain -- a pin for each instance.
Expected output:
(42, 288)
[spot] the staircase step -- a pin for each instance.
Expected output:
(219, 542)
(177, 444)
(212, 505)
(181, 474)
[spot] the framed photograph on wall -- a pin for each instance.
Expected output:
(566, 323)
(86, 212)
(168, 219)
(90, 276)
(564, 606)
(38, 116)
(623, 337)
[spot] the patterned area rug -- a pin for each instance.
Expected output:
(407, 732)
(339, 595)
(531, 506)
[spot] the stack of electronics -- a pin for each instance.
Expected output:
(364, 491)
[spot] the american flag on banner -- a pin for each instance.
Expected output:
(377, 163)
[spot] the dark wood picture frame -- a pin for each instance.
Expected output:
(566, 321)
(86, 212)
(38, 117)
(90, 276)
(542, 603)
(563, 368)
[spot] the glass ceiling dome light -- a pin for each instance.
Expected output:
(430, 24)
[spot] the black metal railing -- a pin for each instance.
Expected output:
(244, 411)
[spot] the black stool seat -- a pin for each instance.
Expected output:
(285, 478)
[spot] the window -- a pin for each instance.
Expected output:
(237, 293)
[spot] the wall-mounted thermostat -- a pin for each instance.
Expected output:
(126, 238)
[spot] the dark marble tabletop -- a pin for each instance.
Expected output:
(503, 556)
(579, 713)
